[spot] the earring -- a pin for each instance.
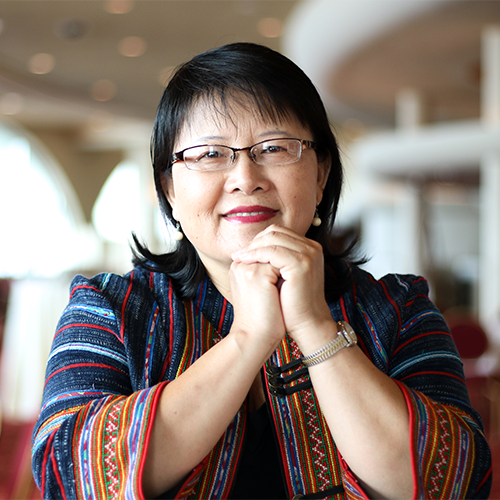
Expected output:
(178, 234)
(316, 221)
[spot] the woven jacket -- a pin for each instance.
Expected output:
(122, 338)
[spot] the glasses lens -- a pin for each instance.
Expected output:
(277, 152)
(207, 157)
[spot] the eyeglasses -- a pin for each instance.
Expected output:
(269, 152)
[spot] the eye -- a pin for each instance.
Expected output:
(205, 154)
(272, 148)
(212, 154)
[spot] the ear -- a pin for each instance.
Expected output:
(167, 184)
(324, 168)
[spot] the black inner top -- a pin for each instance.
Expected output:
(259, 473)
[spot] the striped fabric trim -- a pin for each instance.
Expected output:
(401, 367)
(214, 479)
(442, 447)
(52, 424)
(220, 471)
(199, 335)
(150, 345)
(373, 333)
(306, 445)
(109, 439)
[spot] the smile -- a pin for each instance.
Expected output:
(248, 215)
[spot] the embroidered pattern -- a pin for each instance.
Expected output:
(441, 438)
(90, 439)
(109, 437)
(215, 479)
(307, 448)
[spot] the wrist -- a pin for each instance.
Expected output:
(316, 335)
(250, 345)
(346, 337)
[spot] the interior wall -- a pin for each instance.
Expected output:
(87, 170)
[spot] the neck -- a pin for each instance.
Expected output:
(219, 274)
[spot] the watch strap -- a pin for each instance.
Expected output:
(345, 338)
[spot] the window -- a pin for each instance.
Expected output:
(41, 223)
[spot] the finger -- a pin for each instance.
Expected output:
(255, 272)
(286, 261)
(280, 232)
(279, 251)
(273, 239)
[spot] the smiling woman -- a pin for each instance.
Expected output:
(222, 207)
(253, 360)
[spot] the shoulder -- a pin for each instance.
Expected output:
(137, 314)
(131, 301)
(397, 289)
(139, 285)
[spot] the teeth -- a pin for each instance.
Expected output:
(246, 214)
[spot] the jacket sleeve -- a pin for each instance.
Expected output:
(92, 433)
(408, 338)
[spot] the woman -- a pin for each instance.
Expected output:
(253, 361)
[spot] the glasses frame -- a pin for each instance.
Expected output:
(304, 144)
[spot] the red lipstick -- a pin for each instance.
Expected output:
(249, 214)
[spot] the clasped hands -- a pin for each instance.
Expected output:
(277, 286)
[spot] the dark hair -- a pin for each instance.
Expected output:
(276, 88)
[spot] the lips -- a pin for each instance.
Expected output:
(250, 214)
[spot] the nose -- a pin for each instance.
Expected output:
(245, 175)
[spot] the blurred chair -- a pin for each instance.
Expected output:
(472, 343)
(470, 339)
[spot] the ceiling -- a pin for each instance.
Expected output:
(359, 53)
(84, 39)
(366, 51)
(438, 53)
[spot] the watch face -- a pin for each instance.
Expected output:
(349, 333)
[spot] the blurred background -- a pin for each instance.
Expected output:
(412, 88)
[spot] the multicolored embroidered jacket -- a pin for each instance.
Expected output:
(121, 339)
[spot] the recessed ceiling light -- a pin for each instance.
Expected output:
(41, 64)
(103, 90)
(132, 46)
(118, 6)
(270, 27)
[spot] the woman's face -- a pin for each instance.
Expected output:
(215, 207)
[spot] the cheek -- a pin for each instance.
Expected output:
(196, 199)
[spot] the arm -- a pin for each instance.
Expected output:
(447, 438)
(98, 435)
(365, 410)
(92, 427)
(371, 416)
(197, 407)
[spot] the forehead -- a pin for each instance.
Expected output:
(212, 118)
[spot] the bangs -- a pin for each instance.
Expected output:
(223, 104)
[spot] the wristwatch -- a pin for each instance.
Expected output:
(346, 337)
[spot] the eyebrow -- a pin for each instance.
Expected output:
(272, 133)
